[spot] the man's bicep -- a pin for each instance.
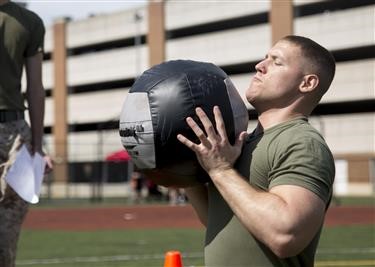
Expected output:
(306, 209)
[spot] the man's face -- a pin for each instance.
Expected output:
(278, 76)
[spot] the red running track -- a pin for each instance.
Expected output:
(157, 216)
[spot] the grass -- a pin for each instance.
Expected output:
(345, 245)
(147, 247)
(115, 246)
(355, 201)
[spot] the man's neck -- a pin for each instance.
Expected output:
(270, 118)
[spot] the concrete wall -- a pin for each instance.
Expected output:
(108, 27)
(339, 29)
(181, 14)
(224, 47)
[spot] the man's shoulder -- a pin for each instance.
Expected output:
(299, 134)
(32, 15)
(301, 129)
(23, 13)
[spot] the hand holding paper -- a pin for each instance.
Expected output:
(25, 176)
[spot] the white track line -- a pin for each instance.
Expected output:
(345, 250)
(347, 263)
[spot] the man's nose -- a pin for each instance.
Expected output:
(261, 66)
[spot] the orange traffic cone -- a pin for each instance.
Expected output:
(173, 259)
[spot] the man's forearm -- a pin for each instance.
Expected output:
(36, 97)
(286, 229)
(249, 204)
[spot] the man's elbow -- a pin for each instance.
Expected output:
(286, 246)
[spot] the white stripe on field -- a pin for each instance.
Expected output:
(345, 250)
(350, 263)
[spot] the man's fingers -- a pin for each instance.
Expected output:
(241, 138)
(220, 125)
(212, 137)
(206, 123)
(198, 132)
(187, 142)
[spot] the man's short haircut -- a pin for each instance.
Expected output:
(320, 58)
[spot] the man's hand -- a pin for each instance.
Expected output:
(49, 164)
(48, 160)
(214, 152)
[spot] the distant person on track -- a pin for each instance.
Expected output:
(21, 45)
(138, 183)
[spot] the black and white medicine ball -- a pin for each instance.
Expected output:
(155, 111)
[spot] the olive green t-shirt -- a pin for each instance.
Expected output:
(21, 36)
(291, 153)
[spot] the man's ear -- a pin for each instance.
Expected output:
(309, 83)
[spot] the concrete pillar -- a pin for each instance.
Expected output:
(60, 94)
(156, 32)
(281, 19)
(359, 168)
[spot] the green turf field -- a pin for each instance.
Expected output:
(146, 247)
(339, 246)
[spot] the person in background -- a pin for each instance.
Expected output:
(21, 45)
(176, 196)
(269, 192)
(137, 182)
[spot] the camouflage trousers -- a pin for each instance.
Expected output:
(12, 208)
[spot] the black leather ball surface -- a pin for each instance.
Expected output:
(155, 110)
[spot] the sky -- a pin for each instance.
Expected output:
(49, 10)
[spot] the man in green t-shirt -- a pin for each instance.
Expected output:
(268, 194)
(21, 45)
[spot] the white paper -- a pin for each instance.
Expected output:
(25, 176)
